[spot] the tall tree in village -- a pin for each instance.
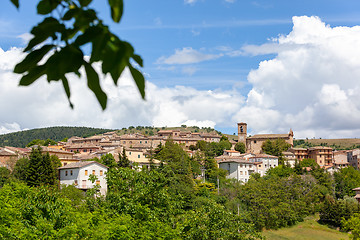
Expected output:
(108, 160)
(123, 160)
(40, 170)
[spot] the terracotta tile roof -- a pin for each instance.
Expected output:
(299, 149)
(80, 164)
(269, 136)
(236, 160)
(6, 153)
(263, 156)
(320, 148)
(231, 151)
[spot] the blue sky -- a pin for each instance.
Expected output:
(203, 46)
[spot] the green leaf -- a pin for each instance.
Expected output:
(117, 8)
(98, 46)
(88, 35)
(67, 89)
(117, 70)
(68, 59)
(70, 14)
(16, 3)
(34, 74)
(43, 31)
(84, 3)
(139, 80)
(138, 60)
(46, 6)
(32, 59)
(94, 84)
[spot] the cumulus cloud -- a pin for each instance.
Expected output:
(312, 83)
(43, 104)
(9, 127)
(187, 55)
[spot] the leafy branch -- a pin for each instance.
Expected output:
(60, 37)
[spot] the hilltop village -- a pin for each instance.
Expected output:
(76, 152)
(178, 179)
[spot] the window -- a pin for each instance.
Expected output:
(138, 155)
(93, 172)
(66, 173)
(86, 172)
(254, 141)
(241, 173)
(97, 182)
(145, 141)
(71, 172)
(84, 150)
(75, 182)
(140, 141)
(101, 172)
(124, 142)
(129, 153)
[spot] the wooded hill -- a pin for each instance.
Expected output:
(20, 139)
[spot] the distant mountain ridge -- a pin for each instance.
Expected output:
(21, 138)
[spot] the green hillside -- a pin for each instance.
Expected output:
(309, 229)
(20, 139)
(338, 144)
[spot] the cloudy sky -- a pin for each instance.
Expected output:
(212, 63)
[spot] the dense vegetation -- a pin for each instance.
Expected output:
(22, 138)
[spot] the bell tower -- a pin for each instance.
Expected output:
(242, 132)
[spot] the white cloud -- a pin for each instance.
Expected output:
(189, 70)
(187, 55)
(230, 1)
(9, 127)
(43, 104)
(311, 84)
(195, 33)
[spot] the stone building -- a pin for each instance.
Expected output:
(254, 143)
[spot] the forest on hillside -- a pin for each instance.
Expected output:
(22, 138)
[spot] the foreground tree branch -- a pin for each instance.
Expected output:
(68, 25)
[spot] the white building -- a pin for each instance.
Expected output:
(77, 174)
(239, 168)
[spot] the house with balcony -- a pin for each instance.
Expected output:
(78, 173)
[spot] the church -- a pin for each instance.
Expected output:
(254, 143)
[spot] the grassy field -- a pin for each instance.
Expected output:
(309, 229)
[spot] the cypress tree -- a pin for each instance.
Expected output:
(40, 170)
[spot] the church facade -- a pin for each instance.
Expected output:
(254, 143)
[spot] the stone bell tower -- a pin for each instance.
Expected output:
(242, 132)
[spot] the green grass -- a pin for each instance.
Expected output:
(309, 229)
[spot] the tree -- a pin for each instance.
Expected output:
(70, 25)
(21, 167)
(346, 179)
(240, 147)
(4, 175)
(123, 160)
(40, 169)
(108, 160)
(276, 147)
